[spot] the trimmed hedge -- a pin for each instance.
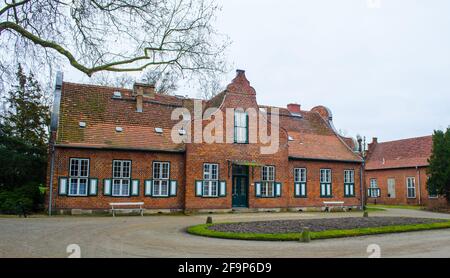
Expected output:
(202, 230)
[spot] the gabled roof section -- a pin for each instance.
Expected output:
(313, 137)
(406, 153)
(95, 106)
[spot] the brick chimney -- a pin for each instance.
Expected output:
(294, 108)
(141, 91)
(373, 144)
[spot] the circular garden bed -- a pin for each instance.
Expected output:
(285, 230)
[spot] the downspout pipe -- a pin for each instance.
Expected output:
(53, 129)
(362, 189)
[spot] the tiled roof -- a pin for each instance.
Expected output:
(400, 154)
(95, 106)
(313, 137)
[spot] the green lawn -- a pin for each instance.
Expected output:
(202, 230)
(394, 206)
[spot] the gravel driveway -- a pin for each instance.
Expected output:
(318, 225)
(165, 236)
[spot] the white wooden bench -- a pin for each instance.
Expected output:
(330, 205)
(135, 204)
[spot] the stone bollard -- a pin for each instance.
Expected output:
(209, 220)
(366, 214)
(306, 235)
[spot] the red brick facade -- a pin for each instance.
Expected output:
(306, 140)
(397, 162)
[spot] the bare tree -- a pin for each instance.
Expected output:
(112, 35)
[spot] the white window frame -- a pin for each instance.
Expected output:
(300, 175)
(240, 127)
(349, 182)
(326, 184)
(78, 177)
(121, 179)
(411, 185)
(161, 179)
(268, 182)
(373, 187)
(210, 180)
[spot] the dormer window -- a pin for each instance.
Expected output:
(240, 127)
(82, 124)
(117, 95)
(119, 129)
(158, 130)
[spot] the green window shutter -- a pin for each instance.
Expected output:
(148, 188)
(63, 186)
(199, 188)
(278, 187)
(93, 187)
(135, 188)
(223, 189)
(107, 187)
(258, 189)
(173, 188)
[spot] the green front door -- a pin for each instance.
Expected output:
(240, 188)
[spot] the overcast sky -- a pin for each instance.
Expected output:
(382, 71)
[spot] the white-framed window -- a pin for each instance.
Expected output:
(411, 187)
(161, 175)
(373, 191)
(268, 181)
(240, 127)
(300, 175)
(349, 183)
(325, 183)
(79, 176)
(300, 180)
(210, 180)
(121, 178)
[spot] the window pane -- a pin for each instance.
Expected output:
(165, 171)
(116, 187)
(73, 187)
(84, 167)
(165, 188)
(125, 188)
(74, 167)
(117, 165)
(83, 187)
(156, 170)
(126, 169)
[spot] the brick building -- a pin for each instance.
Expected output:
(119, 145)
(396, 172)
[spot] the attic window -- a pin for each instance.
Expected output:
(119, 129)
(117, 95)
(82, 124)
(290, 138)
(297, 115)
(158, 130)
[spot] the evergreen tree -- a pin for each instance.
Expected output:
(27, 116)
(439, 170)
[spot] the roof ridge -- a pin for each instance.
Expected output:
(406, 139)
